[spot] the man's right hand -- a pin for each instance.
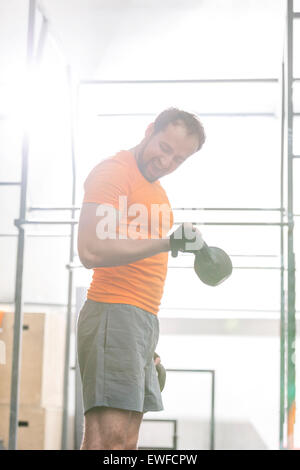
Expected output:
(186, 238)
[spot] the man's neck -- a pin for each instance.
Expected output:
(134, 151)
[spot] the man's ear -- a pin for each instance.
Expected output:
(149, 130)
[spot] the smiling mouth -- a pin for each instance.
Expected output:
(154, 172)
(156, 168)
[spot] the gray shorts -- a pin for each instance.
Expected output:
(115, 347)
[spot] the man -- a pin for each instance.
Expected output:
(122, 236)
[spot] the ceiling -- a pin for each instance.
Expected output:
(153, 39)
(111, 39)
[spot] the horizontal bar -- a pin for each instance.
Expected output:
(234, 267)
(209, 371)
(45, 208)
(19, 222)
(240, 255)
(200, 309)
(74, 266)
(48, 304)
(61, 208)
(79, 266)
(198, 114)
(50, 235)
(201, 80)
(161, 420)
(10, 183)
(227, 209)
(296, 156)
(260, 267)
(296, 15)
(236, 223)
(4, 235)
(255, 256)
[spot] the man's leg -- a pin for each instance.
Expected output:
(110, 429)
(133, 430)
(105, 429)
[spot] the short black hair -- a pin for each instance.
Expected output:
(178, 117)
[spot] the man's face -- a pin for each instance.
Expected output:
(163, 152)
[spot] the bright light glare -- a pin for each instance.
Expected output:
(34, 99)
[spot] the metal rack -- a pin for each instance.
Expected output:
(174, 437)
(291, 295)
(212, 401)
(287, 335)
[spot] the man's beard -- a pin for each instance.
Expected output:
(141, 165)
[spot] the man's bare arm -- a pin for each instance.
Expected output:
(96, 252)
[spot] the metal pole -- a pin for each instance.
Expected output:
(199, 113)
(42, 40)
(212, 424)
(270, 209)
(36, 235)
(255, 209)
(17, 341)
(234, 267)
(44, 208)
(64, 437)
(175, 436)
(291, 336)
(20, 222)
(204, 80)
(282, 292)
(79, 266)
(237, 223)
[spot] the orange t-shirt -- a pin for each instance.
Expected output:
(140, 283)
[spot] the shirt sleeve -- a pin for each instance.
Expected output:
(106, 183)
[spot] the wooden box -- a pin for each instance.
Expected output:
(38, 428)
(42, 359)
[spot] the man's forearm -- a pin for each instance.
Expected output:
(108, 253)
